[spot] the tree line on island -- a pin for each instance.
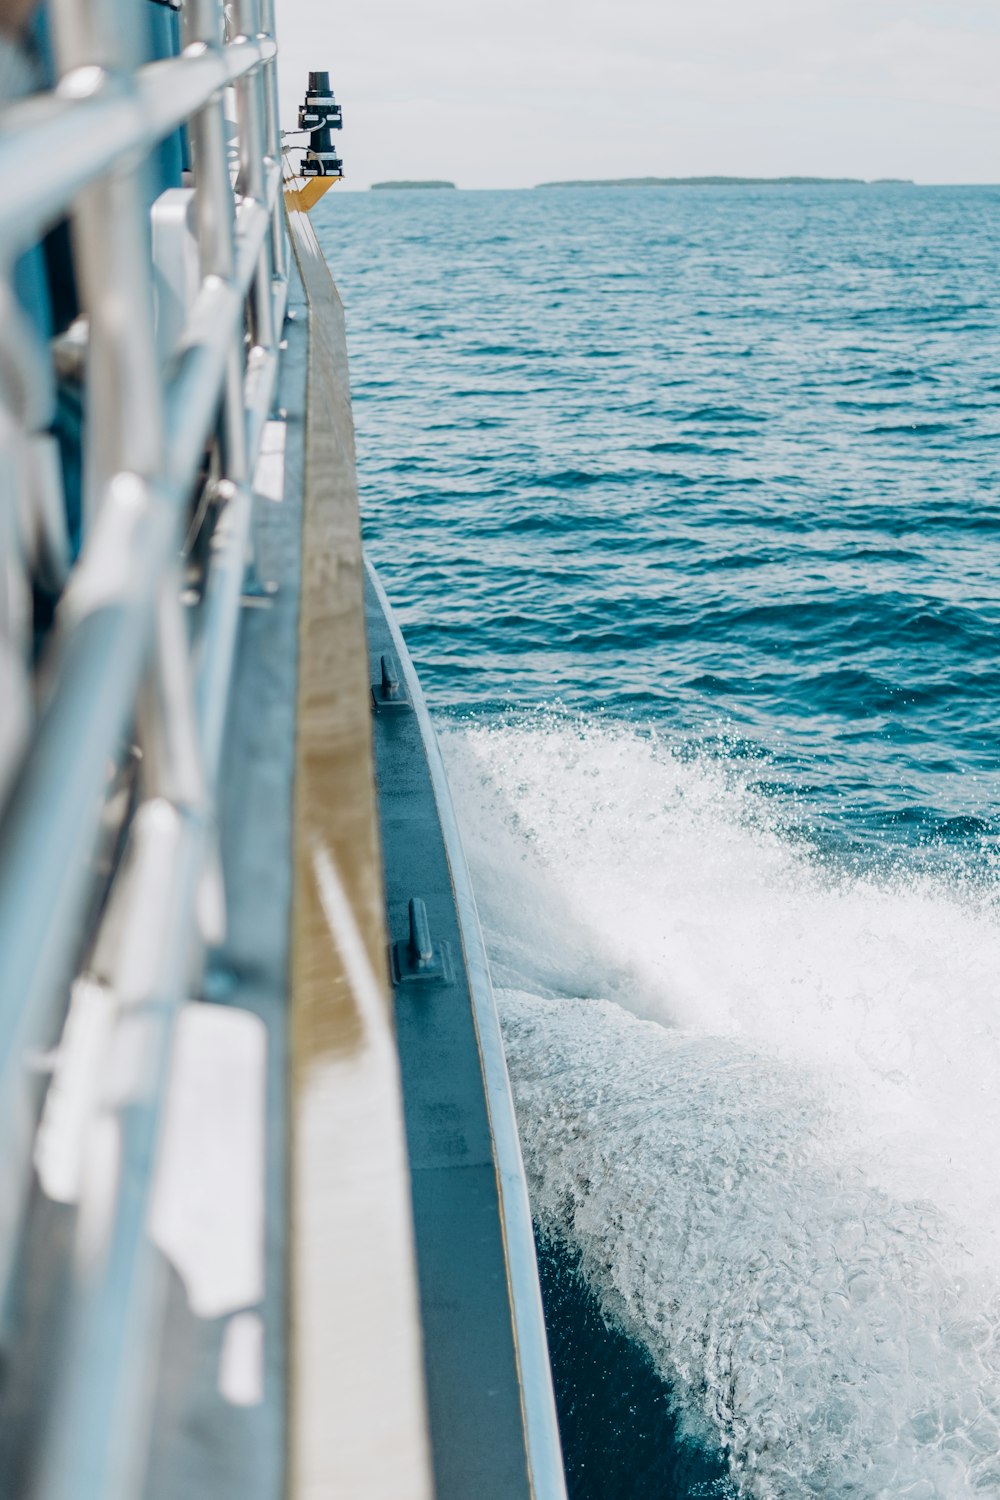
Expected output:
(613, 182)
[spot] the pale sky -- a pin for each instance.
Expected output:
(508, 93)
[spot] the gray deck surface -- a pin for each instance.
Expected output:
(473, 1388)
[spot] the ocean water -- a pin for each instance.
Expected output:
(689, 504)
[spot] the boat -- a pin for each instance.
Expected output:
(264, 1228)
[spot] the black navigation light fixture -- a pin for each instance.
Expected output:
(319, 115)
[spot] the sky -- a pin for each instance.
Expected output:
(509, 93)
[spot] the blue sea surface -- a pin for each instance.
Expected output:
(722, 460)
(688, 501)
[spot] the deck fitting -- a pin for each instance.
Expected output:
(388, 693)
(416, 959)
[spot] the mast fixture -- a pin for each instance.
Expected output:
(319, 114)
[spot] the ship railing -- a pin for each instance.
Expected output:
(125, 706)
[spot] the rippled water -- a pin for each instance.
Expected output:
(726, 461)
(689, 503)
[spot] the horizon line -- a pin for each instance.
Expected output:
(430, 184)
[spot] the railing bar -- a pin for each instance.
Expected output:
(92, 132)
(81, 138)
(252, 224)
(166, 725)
(225, 578)
(261, 377)
(193, 394)
(215, 221)
(221, 625)
(253, 170)
(62, 790)
(272, 182)
(97, 1448)
(280, 302)
(272, 143)
(50, 825)
(124, 408)
(116, 1316)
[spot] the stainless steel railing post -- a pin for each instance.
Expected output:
(252, 179)
(124, 434)
(279, 250)
(97, 1446)
(215, 212)
(124, 424)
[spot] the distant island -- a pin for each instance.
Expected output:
(395, 186)
(612, 182)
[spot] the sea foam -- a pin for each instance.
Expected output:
(757, 1093)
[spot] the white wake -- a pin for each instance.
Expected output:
(782, 1178)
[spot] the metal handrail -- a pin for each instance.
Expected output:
(96, 119)
(120, 664)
